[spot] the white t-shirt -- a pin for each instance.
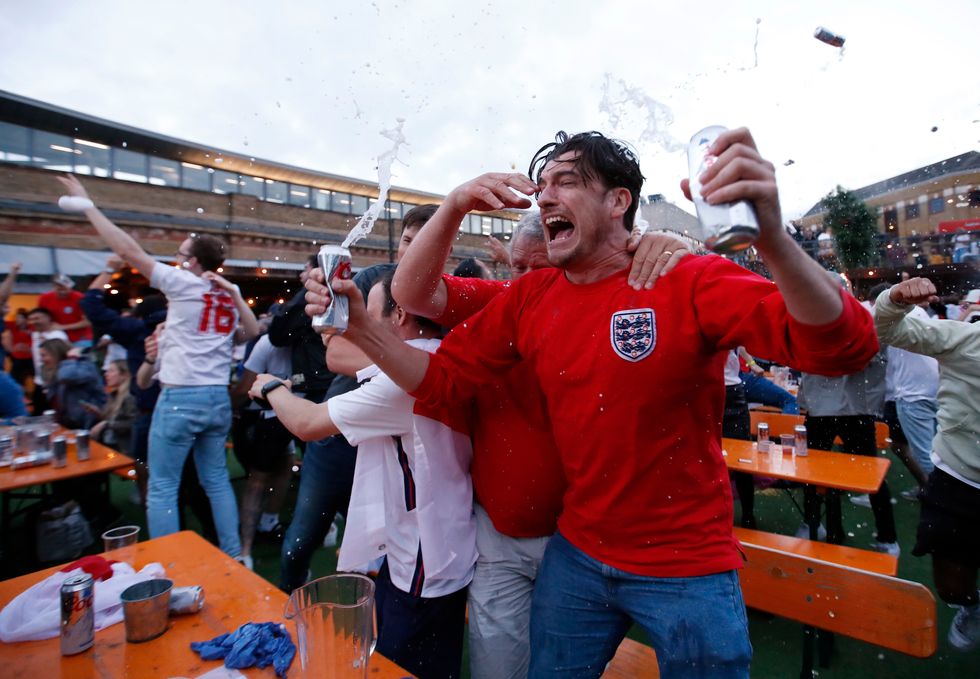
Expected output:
(195, 349)
(732, 376)
(37, 339)
(270, 360)
(910, 376)
(412, 497)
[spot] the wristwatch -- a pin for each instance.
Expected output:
(270, 386)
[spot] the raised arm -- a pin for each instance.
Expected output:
(118, 240)
(926, 336)
(7, 287)
(417, 285)
(740, 173)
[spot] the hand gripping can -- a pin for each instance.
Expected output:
(334, 260)
(725, 227)
(77, 614)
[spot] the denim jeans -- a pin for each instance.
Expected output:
(918, 419)
(192, 420)
(761, 390)
(324, 490)
(582, 609)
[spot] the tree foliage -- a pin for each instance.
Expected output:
(853, 225)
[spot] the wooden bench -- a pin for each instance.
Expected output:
(779, 423)
(837, 589)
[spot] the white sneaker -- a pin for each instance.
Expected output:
(964, 633)
(803, 532)
(331, 538)
(912, 494)
(861, 500)
(891, 548)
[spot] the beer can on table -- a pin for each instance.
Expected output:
(800, 444)
(43, 442)
(725, 227)
(334, 260)
(6, 449)
(59, 446)
(186, 599)
(82, 451)
(77, 614)
(762, 437)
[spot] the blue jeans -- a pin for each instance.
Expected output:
(918, 419)
(760, 390)
(190, 419)
(581, 610)
(324, 490)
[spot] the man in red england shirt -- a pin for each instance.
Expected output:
(634, 391)
(64, 303)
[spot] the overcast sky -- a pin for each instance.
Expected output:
(482, 86)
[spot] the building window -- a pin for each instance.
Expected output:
(252, 186)
(321, 199)
(128, 165)
(475, 224)
(912, 211)
(891, 219)
(276, 192)
(358, 204)
(974, 197)
(53, 151)
(936, 205)
(223, 182)
(486, 226)
(299, 195)
(394, 210)
(15, 143)
(195, 177)
(498, 225)
(340, 203)
(164, 172)
(91, 158)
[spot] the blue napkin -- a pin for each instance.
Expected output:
(254, 644)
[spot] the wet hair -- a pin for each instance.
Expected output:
(390, 305)
(418, 216)
(469, 268)
(609, 161)
(529, 226)
(209, 250)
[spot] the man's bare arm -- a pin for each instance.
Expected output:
(118, 240)
(343, 358)
(7, 287)
(304, 419)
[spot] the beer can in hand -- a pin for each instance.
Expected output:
(77, 614)
(335, 262)
(725, 227)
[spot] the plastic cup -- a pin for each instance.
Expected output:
(121, 541)
(787, 441)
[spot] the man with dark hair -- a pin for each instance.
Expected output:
(473, 268)
(633, 387)
(328, 464)
(206, 314)
(417, 468)
(64, 304)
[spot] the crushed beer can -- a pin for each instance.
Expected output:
(829, 37)
(335, 262)
(184, 600)
(77, 614)
(725, 227)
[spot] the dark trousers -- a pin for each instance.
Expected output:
(324, 490)
(857, 432)
(737, 424)
(424, 636)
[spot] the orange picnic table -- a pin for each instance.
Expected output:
(233, 596)
(819, 470)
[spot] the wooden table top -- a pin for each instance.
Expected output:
(102, 459)
(858, 473)
(233, 596)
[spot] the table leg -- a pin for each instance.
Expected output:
(811, 510)
(835, 524)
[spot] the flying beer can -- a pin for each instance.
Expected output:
(725, 227)
(334, 260)
(829, 37)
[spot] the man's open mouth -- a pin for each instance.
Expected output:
(559, 228)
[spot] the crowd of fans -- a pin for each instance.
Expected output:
(566, 433)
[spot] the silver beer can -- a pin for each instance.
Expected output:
(335, 262)
(186, 599)
(59, 446)
(801, 447)
(762, 437)
(77, 614)
(6, 449)
(42, 444)
(829, 37)
(82, 450)
(725, 227)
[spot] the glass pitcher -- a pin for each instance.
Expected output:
(335, 626)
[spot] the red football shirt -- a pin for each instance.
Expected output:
(634, 388)
(65, 311)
